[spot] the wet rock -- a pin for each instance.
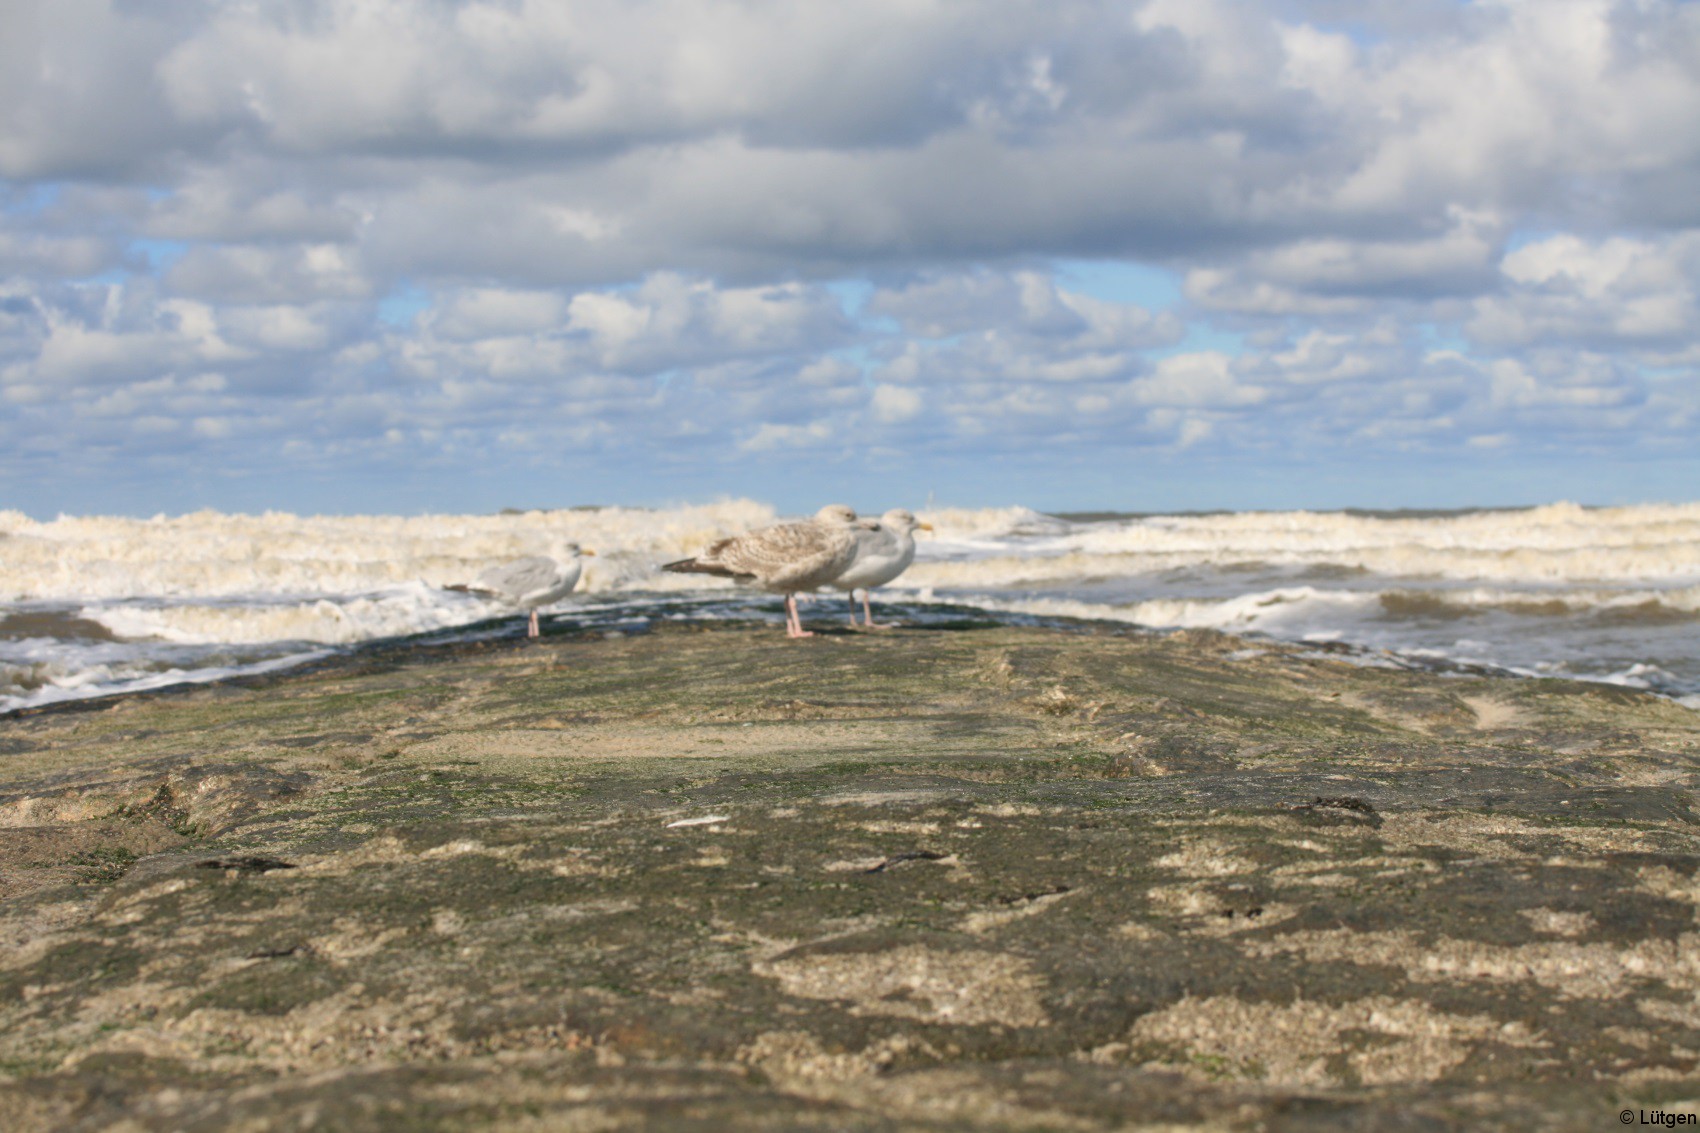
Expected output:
(976, 878)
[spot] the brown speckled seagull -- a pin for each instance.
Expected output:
(784, 558)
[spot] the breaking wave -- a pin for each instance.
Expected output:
(96, 603)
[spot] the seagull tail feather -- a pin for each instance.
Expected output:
(696, 566)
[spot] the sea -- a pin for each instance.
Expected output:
(100, 605)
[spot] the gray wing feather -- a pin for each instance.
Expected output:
(514, 580)
(881, 555)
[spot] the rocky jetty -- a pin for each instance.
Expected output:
(983, 877)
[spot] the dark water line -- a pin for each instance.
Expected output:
(827, 616)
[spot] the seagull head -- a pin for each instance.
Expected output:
(903, 521)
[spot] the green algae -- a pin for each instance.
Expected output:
(984, 878)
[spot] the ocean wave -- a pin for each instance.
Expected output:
(992, 527)
(1275, 610)
(409, 609)
(39, 671)
(1560, 543)
(1531, 590)
(1265, 611)
(211, 555)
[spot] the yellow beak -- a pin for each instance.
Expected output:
(923, 527)
(587, 551)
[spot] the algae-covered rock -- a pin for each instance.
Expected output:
(985, 877)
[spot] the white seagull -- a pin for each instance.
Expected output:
(884, 549)
(784, 558)
(536, 580)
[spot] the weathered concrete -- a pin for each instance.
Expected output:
(986, 879)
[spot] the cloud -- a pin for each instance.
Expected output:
(1639, 294)
(769, 436)
(77, 82)
(1205, 380)
(666, 322)
(484, 312)
(1526, 103)
(45, 256)
(895, 404)
(365, 231)
(265, 274)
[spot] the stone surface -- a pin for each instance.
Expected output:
(972, 878)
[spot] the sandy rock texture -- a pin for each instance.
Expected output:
(980, 877)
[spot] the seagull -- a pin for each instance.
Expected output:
(884, 549)
(784, 558)
(536, 580)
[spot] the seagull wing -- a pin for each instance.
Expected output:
(517, 580)
(788, 556)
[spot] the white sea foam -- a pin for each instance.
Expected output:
(209, 554)
(1557, 543)
(403, 610)
(43, 670)
(1263, 612)
(1556, 589)
(991, 527)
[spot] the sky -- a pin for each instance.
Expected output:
(438, 256)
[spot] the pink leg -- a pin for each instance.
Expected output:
(534, 630)
(868, 614)
(852, 597)
(794, 623)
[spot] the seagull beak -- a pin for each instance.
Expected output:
(587, 551)
(923, 527)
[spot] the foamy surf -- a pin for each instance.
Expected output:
(37, 671)
(211, 555)
(91, 605)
